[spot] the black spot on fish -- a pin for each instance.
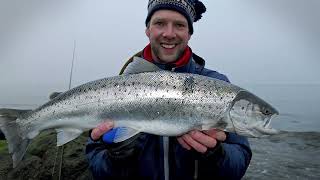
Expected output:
(188, 85)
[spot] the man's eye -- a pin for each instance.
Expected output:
(159, 23)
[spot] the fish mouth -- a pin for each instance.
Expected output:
(266, 131)
(267, 123)
(266, 128)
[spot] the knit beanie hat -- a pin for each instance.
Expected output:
(191, 9)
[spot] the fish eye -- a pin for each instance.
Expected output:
(266, 112)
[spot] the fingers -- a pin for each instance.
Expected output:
(183, 143)
(198, 141)
(216, 134)
(101, 129)
(194, 144)
(201, 141)
(204, 139)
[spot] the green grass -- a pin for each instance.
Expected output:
(3, 147)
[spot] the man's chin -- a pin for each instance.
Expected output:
(167, 59)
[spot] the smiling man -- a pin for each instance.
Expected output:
(211, 154)
(169, 36)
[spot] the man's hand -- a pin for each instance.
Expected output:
(101, 129)
(201, 140)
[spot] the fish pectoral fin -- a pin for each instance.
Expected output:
(124, 133)
(66, 135)
(206, 127)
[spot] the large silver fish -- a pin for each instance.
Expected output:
(161, 102)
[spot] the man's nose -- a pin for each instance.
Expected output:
(169, 32)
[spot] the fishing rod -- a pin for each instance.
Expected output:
(60, 149)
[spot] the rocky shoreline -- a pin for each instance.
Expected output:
(283, 156)
(39, 161)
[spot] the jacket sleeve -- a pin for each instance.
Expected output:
(229, 161)
(232, 158)
(114, 160)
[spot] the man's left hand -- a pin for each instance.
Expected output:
(201, 140)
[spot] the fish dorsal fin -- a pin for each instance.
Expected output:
(139, 65)
(66, 135)
(124, 133)
(54, 95)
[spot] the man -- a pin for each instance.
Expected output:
(211, 154)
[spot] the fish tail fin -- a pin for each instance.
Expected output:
(16, 138)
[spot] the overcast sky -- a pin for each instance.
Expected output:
(252, 42)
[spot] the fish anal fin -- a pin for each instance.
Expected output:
(65, 135)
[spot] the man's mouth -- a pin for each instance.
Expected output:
(168, 46)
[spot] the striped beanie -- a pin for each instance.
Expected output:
(191, 9)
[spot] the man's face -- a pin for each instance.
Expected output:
(169, 35)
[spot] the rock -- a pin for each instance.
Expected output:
(40, 160)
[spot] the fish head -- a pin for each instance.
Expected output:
(251, 116)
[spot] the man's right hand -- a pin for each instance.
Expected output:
(105, 132)
(101, 129)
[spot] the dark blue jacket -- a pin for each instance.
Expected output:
(142, 156)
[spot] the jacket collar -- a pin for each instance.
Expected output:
(195, 64)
